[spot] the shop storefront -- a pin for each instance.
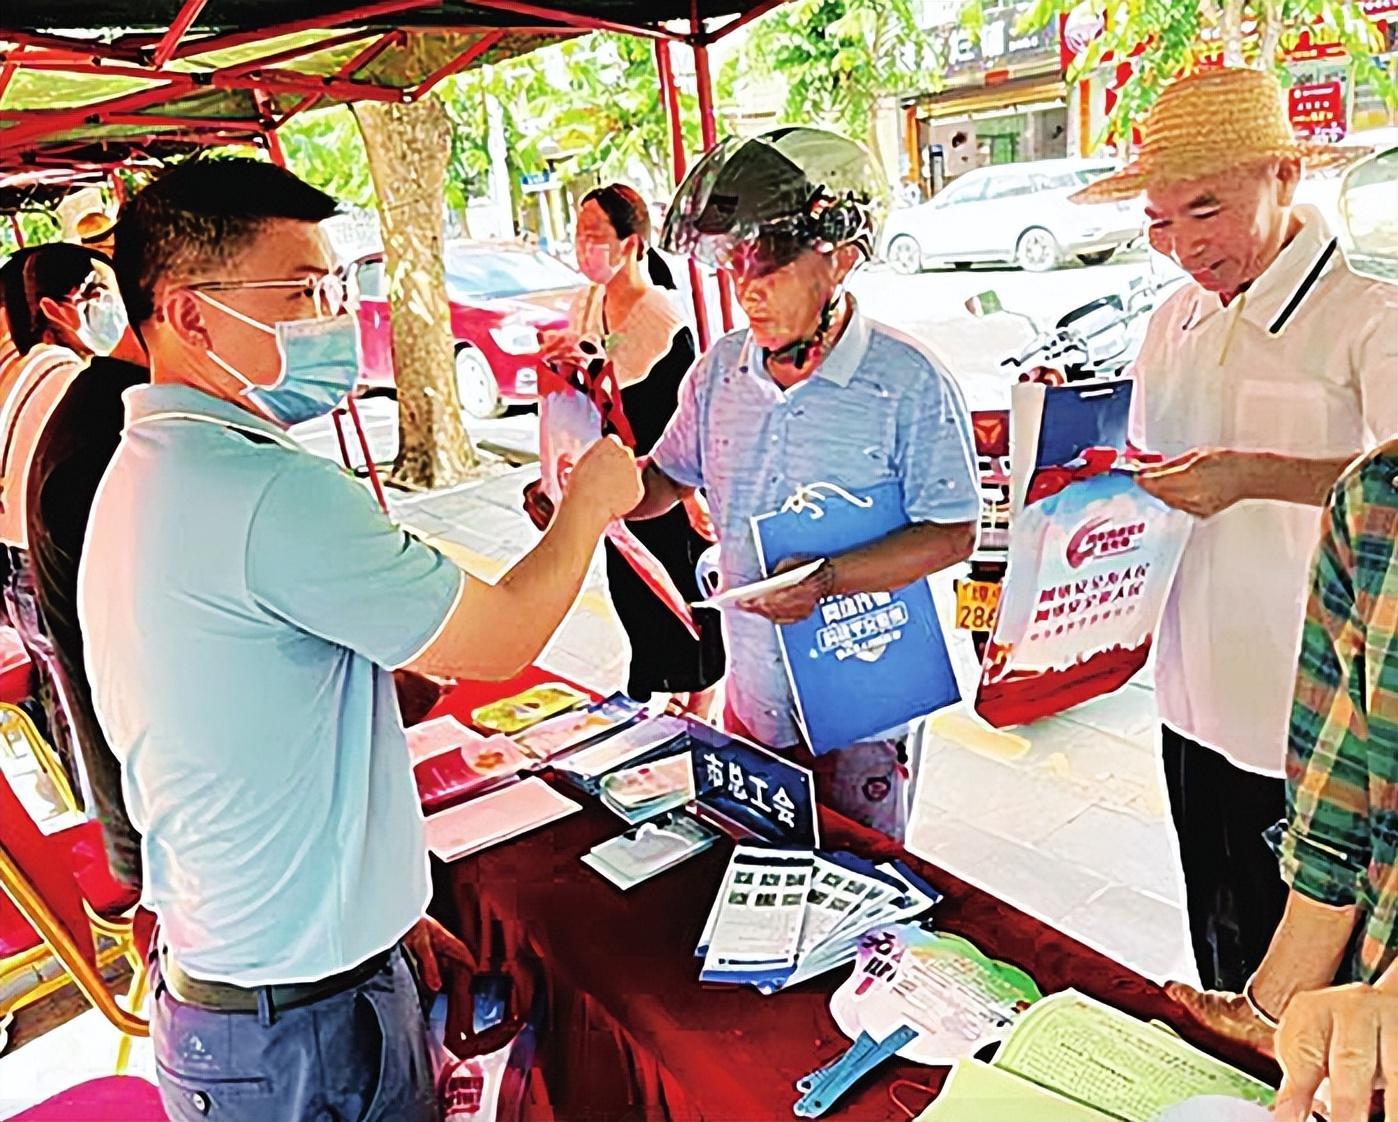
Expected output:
(1327, 98)
(1004, 100)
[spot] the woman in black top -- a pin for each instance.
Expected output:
(650, 348)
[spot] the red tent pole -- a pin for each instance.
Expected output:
(709, 132)
(165, 49)
(369, 464)
(17, 230)
(672, 111)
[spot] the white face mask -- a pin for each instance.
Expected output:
(102, 322)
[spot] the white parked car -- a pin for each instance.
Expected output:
(1016, 213)
(1359, 200)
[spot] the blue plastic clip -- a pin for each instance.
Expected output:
(824, 1087)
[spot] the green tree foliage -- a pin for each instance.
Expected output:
(838, 58)
(1179, 34)
(324, 147)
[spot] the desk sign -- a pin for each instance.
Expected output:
(750, 791)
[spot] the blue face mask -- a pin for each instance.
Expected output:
(320, 365)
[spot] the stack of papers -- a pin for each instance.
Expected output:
(496, 817)
(629, 744)
(1072, 1059)
(451, 762)
(638, 793)
(561, 734)
(651, 848)
(785, 916)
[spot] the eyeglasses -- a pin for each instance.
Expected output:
(332, 293)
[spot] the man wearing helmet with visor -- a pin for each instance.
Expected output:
(812, 391)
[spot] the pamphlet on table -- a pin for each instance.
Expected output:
(496, 817)
(453, 763)
(637, 793)
(783, 916)
(1072, 1059)
(650, 849)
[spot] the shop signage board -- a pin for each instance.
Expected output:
(1317, 110)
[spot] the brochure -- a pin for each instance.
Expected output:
(1122, 1067)
(511, 715)
(761, 910)
(573, 730)
(623, 747)
(480, 764)
(847, 896)
(651, 848)
(732, 597)
(638, 793)
(495, 817)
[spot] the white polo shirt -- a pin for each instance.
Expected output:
(1304, 363)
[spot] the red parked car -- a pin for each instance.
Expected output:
(502, 296)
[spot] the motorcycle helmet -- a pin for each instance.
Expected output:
(760, 202)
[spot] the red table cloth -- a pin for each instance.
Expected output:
(630, 1033)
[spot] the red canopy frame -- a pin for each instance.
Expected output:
(35, 136)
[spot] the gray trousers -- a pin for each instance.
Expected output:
(357, 1056)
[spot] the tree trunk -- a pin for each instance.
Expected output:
(408, 148)
(1233, 33)
(1272, 28)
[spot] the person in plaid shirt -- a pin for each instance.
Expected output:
(1338, 845)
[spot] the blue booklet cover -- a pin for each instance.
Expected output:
(1083, 415)
(862, 664)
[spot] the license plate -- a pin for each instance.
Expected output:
(976, 604)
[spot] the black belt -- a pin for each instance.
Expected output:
(221, 997)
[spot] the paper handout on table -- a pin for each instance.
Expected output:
(977, 1092)
(650, 849)
(847, 896)
(761, 908)
(510, 715)
(731, 597)
(623, 747)
(1127, 1069)
(478, 764)
(559, 734)
(642, 792)
(431, 738)
(957, 998)
(495, 817)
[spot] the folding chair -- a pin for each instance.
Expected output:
(63, 892)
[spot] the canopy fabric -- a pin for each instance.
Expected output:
(171, 75)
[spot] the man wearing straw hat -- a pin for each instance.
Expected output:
(1259, 381)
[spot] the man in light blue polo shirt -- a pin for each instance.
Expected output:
(243, 604)
(811, 391)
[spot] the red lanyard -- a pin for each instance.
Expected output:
(604, 391)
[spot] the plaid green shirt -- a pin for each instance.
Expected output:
(1339, 843)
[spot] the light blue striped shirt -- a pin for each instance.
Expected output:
(880, 407)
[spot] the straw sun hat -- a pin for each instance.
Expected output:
(1207, 123)
(93, 227)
